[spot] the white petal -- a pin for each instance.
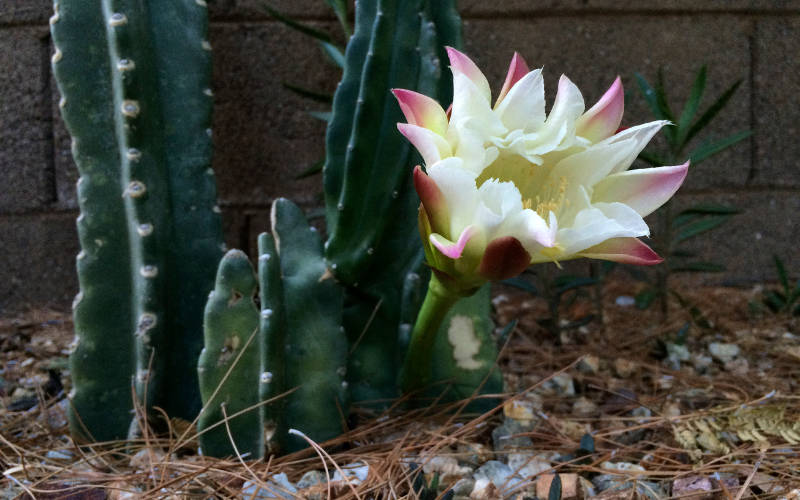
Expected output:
(498, 201)
(459, 190)
(523, 107)
(643, 190)
(430, 145)
(558, 131)
(637, 137)
(599, 223)
(468, 103)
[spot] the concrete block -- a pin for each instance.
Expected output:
(66, 173)
(476, 8)
(37, 261)
(25, 121)
(592, 51)
(777, 115)
(264, 135)
(769, 225)
(252, 10)
(15, 12)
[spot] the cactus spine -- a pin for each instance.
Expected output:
(229, 369)
(134, 78)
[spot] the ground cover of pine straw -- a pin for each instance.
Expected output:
(710, 427)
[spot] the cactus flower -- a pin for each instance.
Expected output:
(506, 186)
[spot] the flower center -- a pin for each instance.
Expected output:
(551, 199)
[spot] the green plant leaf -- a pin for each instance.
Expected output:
(587, 443)
(297, 25)
(670, 133)
(697, 315)
(712, 111)
(340, 8)
(649, 96)
(652, 158)
(709, 148)
(522, 284)
(711, 209)
(334, 53)
(555, 488)
(567, 283)
(313, 169)
(685, 254)
(322, 115)
(683, 334)
(699, 267)
(690, 109)
(644, 298)
(310, 94)
(703, 209)
(795, 293)
(697, 228)
(781, 270)
(317, 213)
(774, 301)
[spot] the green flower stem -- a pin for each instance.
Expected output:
(416, 371)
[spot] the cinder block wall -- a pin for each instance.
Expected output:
(264, 136)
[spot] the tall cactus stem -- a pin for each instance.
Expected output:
(134, 78)
(229, 369)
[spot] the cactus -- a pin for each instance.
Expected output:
(134, 79)
(302, 346)
(229, 369)
(371, 201)
(465, 354)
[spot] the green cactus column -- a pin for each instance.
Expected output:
(314, 354)
(134, 78)
(230, 364)
(371, 202)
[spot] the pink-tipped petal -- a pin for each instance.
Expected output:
(643, 190)
(450, 249)
(504, 258)
(433, 147)
(603, 119)
(421, 110)
(464, 65)
(433, 202)
(623, 250)
(517, 70)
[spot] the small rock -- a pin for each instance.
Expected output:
(738, 367)
(60, 454)
(678, 352)
(474, 453)
(622, 466)
(583, 407)
(701, 363)
(311, 478)
(355, 473)
(570, 486)
(563, 384)
(625, 301)
(724, 353)
(525, 466)
(496, 474)
(665, 382)
(589, 364)
(503, 440)
(624, 368)
(278, 487)
(519, 410)
(643, 413)
(147, 458)
(703, 488)
(444, 466)
(464, 487)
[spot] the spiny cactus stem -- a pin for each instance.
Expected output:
(416, 371)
